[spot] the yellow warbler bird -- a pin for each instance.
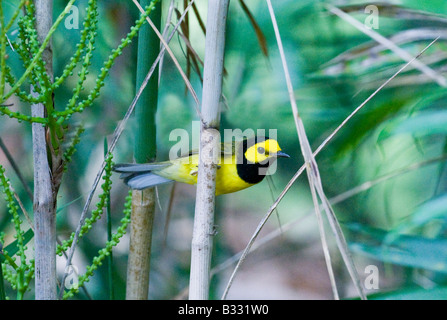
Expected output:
(242, 164)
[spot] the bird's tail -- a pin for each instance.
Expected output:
(140, 176)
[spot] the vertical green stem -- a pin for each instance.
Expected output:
(145, 109)
(143, 202)
(2, 51)
(2, 283)
(109, 235)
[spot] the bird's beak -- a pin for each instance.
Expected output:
(281, 154)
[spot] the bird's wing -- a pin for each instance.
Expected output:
(141, 181)
(137, 167)
(130, 169)
(226, 149)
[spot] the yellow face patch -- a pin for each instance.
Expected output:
(261, 151)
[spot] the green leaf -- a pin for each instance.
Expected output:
(405, 250)
(416, 252)
(436, 293)
(12, 248)
(428, 211)
(421, 124)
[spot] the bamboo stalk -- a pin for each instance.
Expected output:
(138, 268)
(202, 240)
(44, 197)
(143, 202)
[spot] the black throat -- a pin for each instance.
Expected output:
(251, 172)
(248, 171)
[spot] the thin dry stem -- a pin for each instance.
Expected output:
(174, 59)
(116, 135)
(241, 255)
(314, 177)
(302, 168)
(389, 44)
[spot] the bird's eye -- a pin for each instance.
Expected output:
(261, 150)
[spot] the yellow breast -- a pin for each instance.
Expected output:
(228, 180)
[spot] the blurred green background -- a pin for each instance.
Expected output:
(397, 223)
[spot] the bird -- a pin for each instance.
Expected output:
(242, 164)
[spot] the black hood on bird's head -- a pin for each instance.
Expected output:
(247, 171)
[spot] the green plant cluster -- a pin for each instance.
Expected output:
(96, 214)
(36, 86)
(18, 274)
(30, 51)
(106, 251)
